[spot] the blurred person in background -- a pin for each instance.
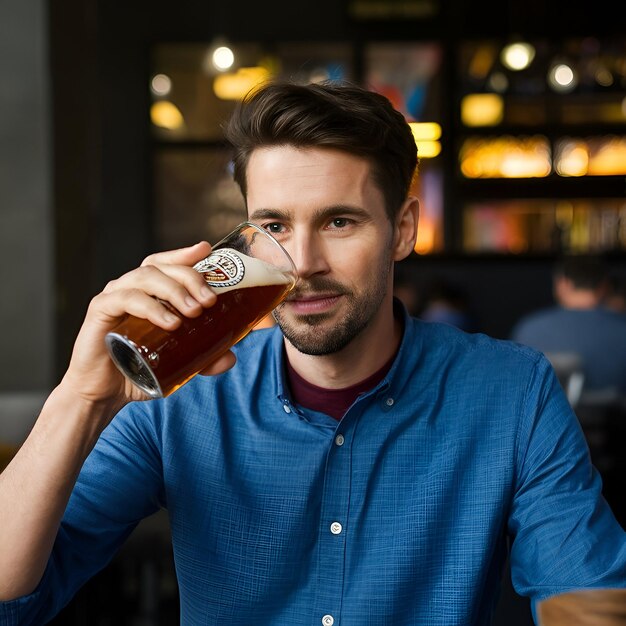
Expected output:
(615, 299)
(448, 303)
(580, 324)
(439, 300)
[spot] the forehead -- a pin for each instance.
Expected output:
(281, 174)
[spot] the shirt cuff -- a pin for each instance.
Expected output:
(19, 611)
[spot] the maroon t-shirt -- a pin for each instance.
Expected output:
(333, 402)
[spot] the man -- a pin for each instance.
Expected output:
(579, 324)
(355, 467)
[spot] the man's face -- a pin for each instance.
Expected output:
(324, 208)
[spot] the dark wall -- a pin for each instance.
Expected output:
(25, 242)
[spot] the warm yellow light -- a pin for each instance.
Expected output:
(520, 164)
(234, 86)
(517, 56)
(482, 109)
(425, 131)
(161, 84)
(428, 149)
(482, 61)
(610, 159)
(222, 58)
(425, 242)
(506, 157)
(573, 159)
(166, 115)
(603, 76)
(562, 78)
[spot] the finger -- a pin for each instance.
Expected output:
(181, 286)
(224, 363)
(193, 284)
(181, 256)
(108, 308)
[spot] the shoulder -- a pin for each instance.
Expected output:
(615, 319)
(540, 315)
(537, 320)
(476, 354)
(260, 346)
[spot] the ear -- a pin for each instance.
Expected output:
(406, 228)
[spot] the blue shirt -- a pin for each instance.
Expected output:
(597, 336)
(398, 514)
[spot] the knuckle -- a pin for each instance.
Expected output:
(146, 270)
(149, 260)
(95, 302)
(145, 274)
(110, 286)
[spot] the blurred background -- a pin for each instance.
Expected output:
(111, 148)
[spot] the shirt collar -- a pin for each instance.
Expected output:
(410, 347)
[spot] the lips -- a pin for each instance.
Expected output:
(313, 303)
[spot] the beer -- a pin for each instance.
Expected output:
(160, 361)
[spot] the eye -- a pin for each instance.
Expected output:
(339, 222)
(274, 228)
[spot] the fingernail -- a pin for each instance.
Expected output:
(206, 293)
(170, 317)
(190, 302)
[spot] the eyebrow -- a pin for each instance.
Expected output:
(263, 214)
(319, 214)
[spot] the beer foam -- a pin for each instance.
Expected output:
(224, 273)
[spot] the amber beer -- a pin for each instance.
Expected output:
(160, 361)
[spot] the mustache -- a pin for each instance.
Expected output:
(317, 285)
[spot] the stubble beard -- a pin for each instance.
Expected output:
(309, 334)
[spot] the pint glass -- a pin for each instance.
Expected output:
(250, 272)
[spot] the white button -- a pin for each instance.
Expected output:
(389, 401)
(336, 528)
(328, 620)
(339, 440)
(286, 408)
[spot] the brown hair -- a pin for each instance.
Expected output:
(584, 271)
(332, 115)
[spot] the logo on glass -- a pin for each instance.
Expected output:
(222, 268)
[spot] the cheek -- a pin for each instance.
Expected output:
(362, 265)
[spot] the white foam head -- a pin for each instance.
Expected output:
(227, 269)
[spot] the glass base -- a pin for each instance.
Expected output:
(129, 360)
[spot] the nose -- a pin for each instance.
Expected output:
(309, 254)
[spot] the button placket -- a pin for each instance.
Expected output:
(333, 518)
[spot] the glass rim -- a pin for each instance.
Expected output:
(242, 226)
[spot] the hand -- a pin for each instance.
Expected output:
(167, 276)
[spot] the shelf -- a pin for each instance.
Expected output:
(552, 186)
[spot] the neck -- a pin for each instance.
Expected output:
(361, 358)
(581, 300)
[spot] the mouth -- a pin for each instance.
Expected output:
(313, 303)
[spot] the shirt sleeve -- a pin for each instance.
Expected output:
(120, 484)
(565, 537)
